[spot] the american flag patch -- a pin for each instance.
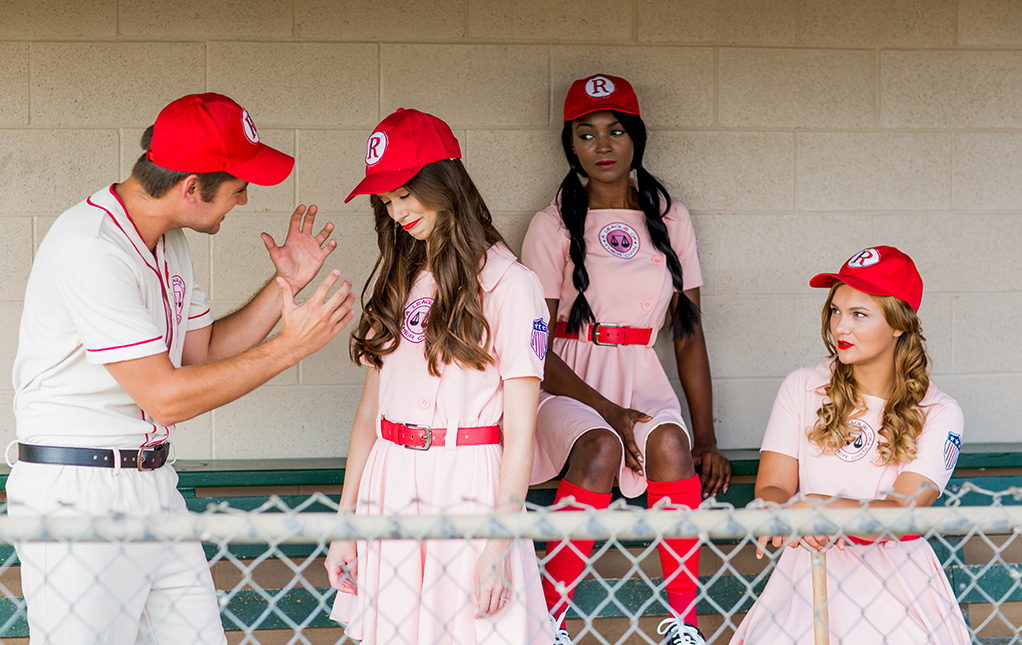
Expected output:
(952, 447)
(539, 337)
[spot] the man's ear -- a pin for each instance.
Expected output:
(188, 189)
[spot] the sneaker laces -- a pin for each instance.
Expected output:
(679, 633)
(561, 636)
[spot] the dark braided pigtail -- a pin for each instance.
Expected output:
(574, 205)
(655, 202)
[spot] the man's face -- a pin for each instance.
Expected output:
(209, 215)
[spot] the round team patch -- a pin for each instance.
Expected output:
(416, 318)
(178, 286)
(249, 127)
(864, 258)
(377, 145)
(620, 240)
(599, 87)
(862, 439)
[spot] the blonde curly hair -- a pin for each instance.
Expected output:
(903, 416)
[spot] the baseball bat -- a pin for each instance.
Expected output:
(821, 632)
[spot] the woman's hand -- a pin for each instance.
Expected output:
(342, 566)
(713, 467)
(623, 421)
(493, 578)
(811, 543)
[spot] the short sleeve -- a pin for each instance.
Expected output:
(940, 442)
(521, 335)
(199, 312)
(785, 428)
(100, 289)
(683, 241)
(545, 251)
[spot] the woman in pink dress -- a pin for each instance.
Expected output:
(453, 336)
(614, 256)
(866, 428)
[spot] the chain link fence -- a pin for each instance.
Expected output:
(268, 568)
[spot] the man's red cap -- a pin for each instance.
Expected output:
(600, 92)
(211, 133)
(879, 271)
(400, 147)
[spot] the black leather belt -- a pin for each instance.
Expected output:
(141, 459)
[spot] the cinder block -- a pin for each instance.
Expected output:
(516, 170)
(296, 421)
(513, 227)
(370, 20)
(193, 439)
(332, 162)
(222, 308)
(40, 226)
(808, 328)
(741, 409)
(15, 258)
(332, 365)
(733, 171)
(552, 20)
(878, 23)
(874, 171)
(298, 84)
(8, 433)
(110, 84)
(936, 316)
(59, 19)
(14, 79)
(989, 22)
(990, 403)
(988, 175)
(749, 336)
(48, 171)
(796, 88)
(10, 321)
(951, 89)
(957, 252)
(763, 255)
(985, 326)
(765, 22)
(674, 84)
(198, 244)
(240, 263)
(201, 19)
(467, 85)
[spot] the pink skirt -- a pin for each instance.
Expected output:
(421, 592)
(892, 592)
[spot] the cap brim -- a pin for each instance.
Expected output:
(382, 182)
(601, 108)
(827, 280)
(268, 167)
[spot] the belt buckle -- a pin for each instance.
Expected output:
(140, 457)
(594, 334)
(429, 436)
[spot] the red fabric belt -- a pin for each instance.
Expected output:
(861, 542)
(607, 334)
(424, 437)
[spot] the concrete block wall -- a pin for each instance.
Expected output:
(796, 131)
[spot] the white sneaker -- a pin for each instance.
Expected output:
(561, 636)
(679, 633)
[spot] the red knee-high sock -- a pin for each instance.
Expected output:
(567, 560)
(681, 582)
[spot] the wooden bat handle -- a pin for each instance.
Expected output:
(821, 633)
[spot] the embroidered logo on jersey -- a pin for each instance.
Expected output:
(599, 87)
(862, 439)
(377, 145)
(178, 286)
(249, 127)
(539, 337)
(620, 240)
(864, 258)
(416, 317)
(952, 447)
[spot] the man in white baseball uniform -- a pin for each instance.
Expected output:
(117, 344)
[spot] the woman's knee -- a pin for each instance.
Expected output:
(669, 444)
(598, 453)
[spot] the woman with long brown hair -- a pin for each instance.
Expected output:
(866, 428)
(453, 336)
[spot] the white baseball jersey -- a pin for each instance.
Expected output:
(97, 295)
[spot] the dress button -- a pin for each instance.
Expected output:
(646, 305)
(658, 259)
(424, 403)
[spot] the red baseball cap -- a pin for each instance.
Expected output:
(879, 271)
(211, 133)
(400, 146)
(600, 92)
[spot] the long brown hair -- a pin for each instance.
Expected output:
(454, 252)
(903, 416)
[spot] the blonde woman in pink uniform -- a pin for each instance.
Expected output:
(453, 335)
(866, 427)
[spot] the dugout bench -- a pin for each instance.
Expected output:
(248, 484)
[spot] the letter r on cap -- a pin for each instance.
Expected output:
(599, 86)
(377, 146)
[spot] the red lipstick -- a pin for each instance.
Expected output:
(409, 227)
(843, 344)
(605, 164)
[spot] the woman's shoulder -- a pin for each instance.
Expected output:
(549, 216)
(810, 378)
(502, 269)
(935, 400)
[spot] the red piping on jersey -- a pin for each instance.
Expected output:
(198, 315)
(107, 349)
